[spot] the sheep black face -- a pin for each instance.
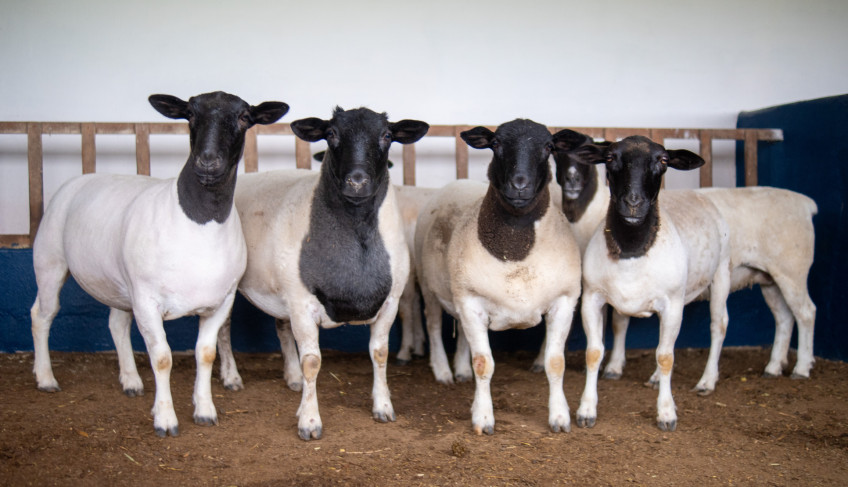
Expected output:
(217, 123)
(571, 152)
(519, 170)
(358, 144)
(635, 167)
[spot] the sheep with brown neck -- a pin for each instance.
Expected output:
(650, 258)
(497, 256)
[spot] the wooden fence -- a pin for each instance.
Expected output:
(303, 156)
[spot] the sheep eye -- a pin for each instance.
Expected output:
(664, 159)
(387, 136)
(495, 144)
(244, 118)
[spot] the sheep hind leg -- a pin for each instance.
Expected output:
(50, 281)
(783, 321)
(120, 323)
(230, 377)
(292, 371)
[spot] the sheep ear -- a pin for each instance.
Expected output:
(408, 131)
(310, 129)
(590, 153)
(268, 112)
(684, 160)
(170, 106)
(566, 140)
(478, 137)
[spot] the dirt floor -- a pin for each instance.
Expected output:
(750, 431)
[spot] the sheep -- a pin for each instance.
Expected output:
(496, 257)
(758, 255)
(410, 200)
(650, 258)
(327, 248)
(154, 249)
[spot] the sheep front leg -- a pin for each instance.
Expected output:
(671, 315)
(305, 330)
(558, 324)
(150, 325)
(378, 346)
(120, 323)
(204, 354)
(474, 325)
(590, 311)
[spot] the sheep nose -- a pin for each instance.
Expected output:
(633, 199)
(208, 159)
(357, 179)
(520, 182)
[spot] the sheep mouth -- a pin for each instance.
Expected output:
(572, 193)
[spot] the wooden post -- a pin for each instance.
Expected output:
(461, 154)
(142, 149)
(707, 154)
(751, 158)
(89, 149)
(251, 151)
(35, 163)
(303, 159)
(409, 165)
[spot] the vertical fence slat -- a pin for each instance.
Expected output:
(707, 155)
(409, 165)
(751, 158)
(142, 149)
(89, 149)
(303, 159)
(461, 154)
(251, 151)
(35, 163)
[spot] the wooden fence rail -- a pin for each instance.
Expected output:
(303, 157)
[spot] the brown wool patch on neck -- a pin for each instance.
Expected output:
(507, 233)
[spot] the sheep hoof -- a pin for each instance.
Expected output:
(307, 434)
(204, 421)
(402, 362)
(49, 389)
(537, 368)
(702, 391)
(652, 384)
(488, 429)
(162, 432)
(235, 386)
(560, 427)
(384, 417)
(134, 392)
(295, 386)
(586, 421)
(462, 378)
(769, 375)
(610, 375)
(798, 376)
(667, 425)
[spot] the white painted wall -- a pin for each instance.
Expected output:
(606, 63)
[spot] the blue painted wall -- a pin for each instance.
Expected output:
(813, 160)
